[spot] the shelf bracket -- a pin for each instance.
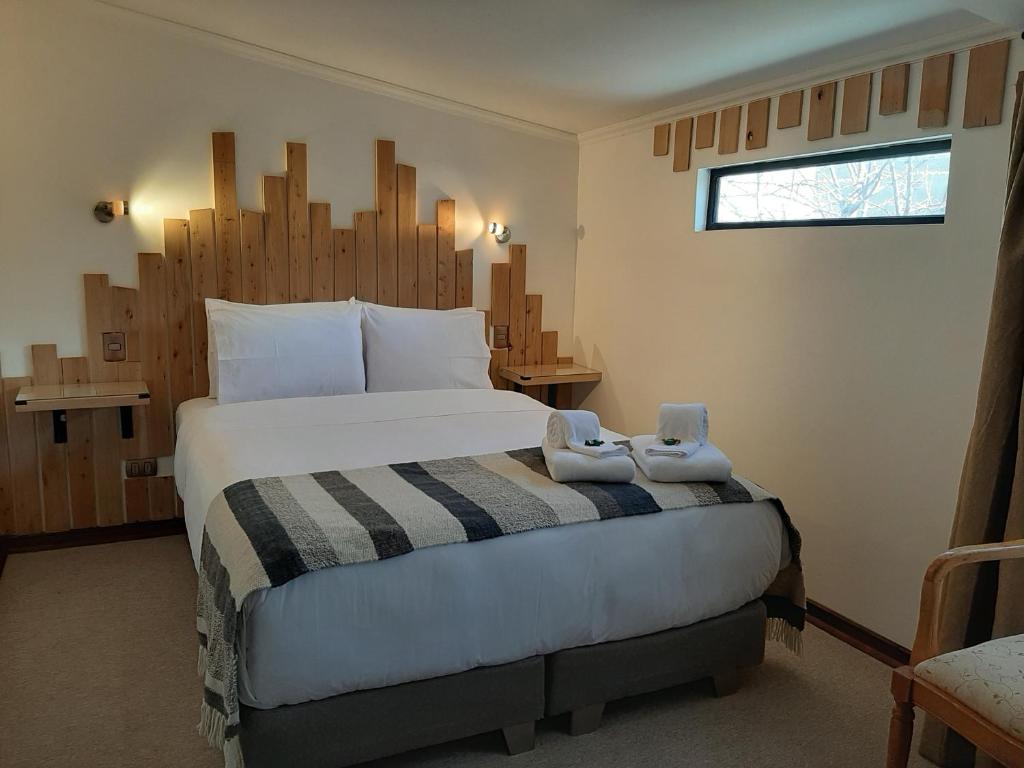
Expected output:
(127, 422)
(60, 427)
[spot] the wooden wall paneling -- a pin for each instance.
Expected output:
(162, 498)
(229, 258)
(517, 305)
(386, 195)
(98, 322)
(936, 83)
(344, 264)
(499, 294)
(275, 232)
(548, 355)
(856, 104)
(758, 114)
(986, 84)
(534, 339)
(662, 138)
(159, 432)
(136, 499)
(563, 397)
(729, 131)
(125, 318)
(408, 270)
(791, 110)
(487, 326)
(895, 85)
(81, 477)
(253, 243)
(464, 278)
(499, 360)
(53, 457)
(821, 120)
(321, 251)
(204, 286)
(426, 258)
(24, 461)
(684, 134)
(366, 255)
(299, 275)
(6, 497)
(446, 254)
(179, 308)
(704, 134)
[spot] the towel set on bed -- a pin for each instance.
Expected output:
(575, 452)
(680, 452)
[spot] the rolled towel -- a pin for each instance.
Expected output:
(572, 430)
(567, 466)
(684, 426)
(708, 465)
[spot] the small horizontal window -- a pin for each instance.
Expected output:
(895, 184)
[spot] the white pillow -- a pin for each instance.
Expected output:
(284, 350)
(410, 349)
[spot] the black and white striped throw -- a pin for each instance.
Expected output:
(265, 532)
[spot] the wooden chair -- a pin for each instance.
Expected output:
(979, 691)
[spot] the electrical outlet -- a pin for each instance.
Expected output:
(140, 468)
(114, 350)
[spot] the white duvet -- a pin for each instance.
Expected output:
(447, 609)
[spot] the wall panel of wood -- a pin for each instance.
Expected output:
(229, 266)
(159, 430)
(856, 104)
(275, 222)
(426, 259)
(408, 273)
(534, 339)
(986, 84)
(704, 135)
(729, 131)
(366, 255)
(299, 266)
(81, 472)
(791, 110)
(517, 305)
(179, 308)
(24, 461)
(204, 286)
(464, 278)
(344, 264)
(386, 195)
(758, 115)
(936, 84)
(895, 87)
(684, 134)
(499, 293)
(322, 251)
(662, 137)
(821, 120)
(53, 456)
(253, 242)
(446, 254)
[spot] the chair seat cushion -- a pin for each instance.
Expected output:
(988, 678)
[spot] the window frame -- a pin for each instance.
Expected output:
(901, 149)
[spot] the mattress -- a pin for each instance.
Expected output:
(448, 609)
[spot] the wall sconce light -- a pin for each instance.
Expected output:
(502, 234)
(106, 210)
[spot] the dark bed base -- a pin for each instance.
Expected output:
(366, 725)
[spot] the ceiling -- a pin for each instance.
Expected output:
(576, 65)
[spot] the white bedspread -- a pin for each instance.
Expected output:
(447, 609)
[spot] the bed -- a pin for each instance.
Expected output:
(352, 663)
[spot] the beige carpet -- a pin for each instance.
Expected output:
(98, 668)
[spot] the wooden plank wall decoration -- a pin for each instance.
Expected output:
(758, 113)
(856, 104)
(986, 84)
(287, 252)
(791, 110)
(822, 118)
(936, 83)
(704, 136)
(729, 131)
(662, 134)
(895, 87)
(684, 133)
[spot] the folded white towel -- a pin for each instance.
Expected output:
(708, 465)
(685, 422)
(567, 466)
(574, 429)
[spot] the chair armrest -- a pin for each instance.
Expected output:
(926, 643)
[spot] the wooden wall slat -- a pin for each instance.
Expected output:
(179, 310)
(275, 232)
(549, 347)
(464, 278)
(6, 492)
(366, 255)
(98, 322)
(445, 254)
(53, 457)
(322, 251)
(534, 339)
(162, 498)
(386, 195)
(124, 310)
(204, 286)
(159, 433)
(21, 439)
(81, 479)
(662, 137)
(344, 264)
(300, 280)
(758, 115)
(499, 293)
(821, 119)
(936, 83)
(681, 156)
(426, 259)
(487, 326)
(986, 84)
(517, 305)
(856, 104)
(791, 110)
(499, 360)
(136, 499)
(729, 131)
(895, 86)
(229, 259)
(704, 135)
(408, 293)
(253, 243)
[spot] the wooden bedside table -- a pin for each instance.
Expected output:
(61, 398)
(552, 375)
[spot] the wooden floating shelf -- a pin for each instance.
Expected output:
(76, 397)
(539, 375)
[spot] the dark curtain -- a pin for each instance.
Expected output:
(988, 602)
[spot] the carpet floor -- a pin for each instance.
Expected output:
(98, 668)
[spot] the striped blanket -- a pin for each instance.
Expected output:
(263, 533)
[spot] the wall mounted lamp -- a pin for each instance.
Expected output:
(106, 210)
(502, 234)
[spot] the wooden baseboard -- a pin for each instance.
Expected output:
(856, 635)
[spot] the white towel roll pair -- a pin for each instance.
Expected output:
(570, 459)
(680, 452)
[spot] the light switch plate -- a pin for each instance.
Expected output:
(114, 350)
(140, 468)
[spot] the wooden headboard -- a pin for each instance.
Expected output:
(289, 252)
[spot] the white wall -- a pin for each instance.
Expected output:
(99, 104)
(840, 365)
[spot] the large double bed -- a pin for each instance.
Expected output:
(351, 663)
